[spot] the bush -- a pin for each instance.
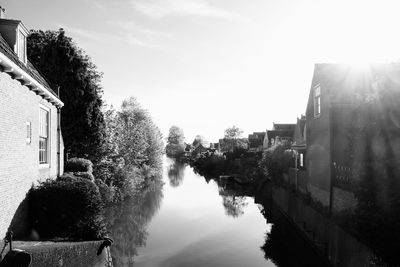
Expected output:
(67, 177)
(85, 175)
(79, 165)
(108, 193)
(67, 208)
(277, 160)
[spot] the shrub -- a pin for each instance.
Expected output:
(67, 177)
(79, 165)
(85, 175)
(67, 208)
(276, 160)
(107, 193)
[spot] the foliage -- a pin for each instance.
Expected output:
(128, 221)
(68, 68)
(175, 145)
(234, 205)
(78, 165)
(134, 149)
(233, 133)
(176, 173)
(67, 208)
(232, 141)
(276, 160)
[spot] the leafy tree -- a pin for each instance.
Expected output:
(68, 68)
(232, 140)
(175, 145)
(134, 148)
(233, 132)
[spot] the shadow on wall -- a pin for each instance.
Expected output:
(21, 224)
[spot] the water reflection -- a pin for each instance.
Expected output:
(234, 206)
(175, 173)
(193, 229)
(128, 222)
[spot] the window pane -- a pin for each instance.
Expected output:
(43, 135)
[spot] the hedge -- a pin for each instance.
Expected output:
(68, 208)
(78, 165)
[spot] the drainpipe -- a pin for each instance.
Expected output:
(58, 136)
(331, 166)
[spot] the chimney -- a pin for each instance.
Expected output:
(2, 11)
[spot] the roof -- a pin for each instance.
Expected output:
(28, 68)
(280, 133)
(284, 126)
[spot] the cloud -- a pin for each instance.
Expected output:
(163, 8)
(93, 37)
(133, 27)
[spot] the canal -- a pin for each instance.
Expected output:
(181, 219)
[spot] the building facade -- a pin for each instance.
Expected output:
(31, 147)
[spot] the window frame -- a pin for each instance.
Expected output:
(44, 164)
(28, 128)
(22, 46)
(317, 100)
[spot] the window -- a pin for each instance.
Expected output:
(43, 135)
(22, 46)
(317, 101)
(301, 160)
(28, 133)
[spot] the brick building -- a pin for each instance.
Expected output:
(31, 146)
(352, 131)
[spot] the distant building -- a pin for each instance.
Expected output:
(279, 133)
(198, 150)
(31, 145)
(256, 141)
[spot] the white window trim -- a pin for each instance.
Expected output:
(20, 47)
(28, 140)
(317, 115)
(47, 164)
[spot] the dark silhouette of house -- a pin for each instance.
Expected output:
(256, 141)
(352, 129)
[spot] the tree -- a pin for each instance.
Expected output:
(233, 133)
(68, 68)
(175, 145)
(232, 141)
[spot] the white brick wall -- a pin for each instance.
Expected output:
(19, 161)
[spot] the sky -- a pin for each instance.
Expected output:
(206, 65)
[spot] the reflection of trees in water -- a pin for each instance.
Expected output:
(234, 205)
(128, 221)
(176, 173)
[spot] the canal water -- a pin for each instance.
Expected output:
(182, 219)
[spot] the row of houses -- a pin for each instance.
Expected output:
(352, 113)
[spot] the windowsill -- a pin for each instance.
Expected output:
(44, 166)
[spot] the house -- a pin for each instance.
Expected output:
(198, 150)
(352, 123)
(298, 175)
(215, 146)
(279, 133)
(256, 141)
(31, 145)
